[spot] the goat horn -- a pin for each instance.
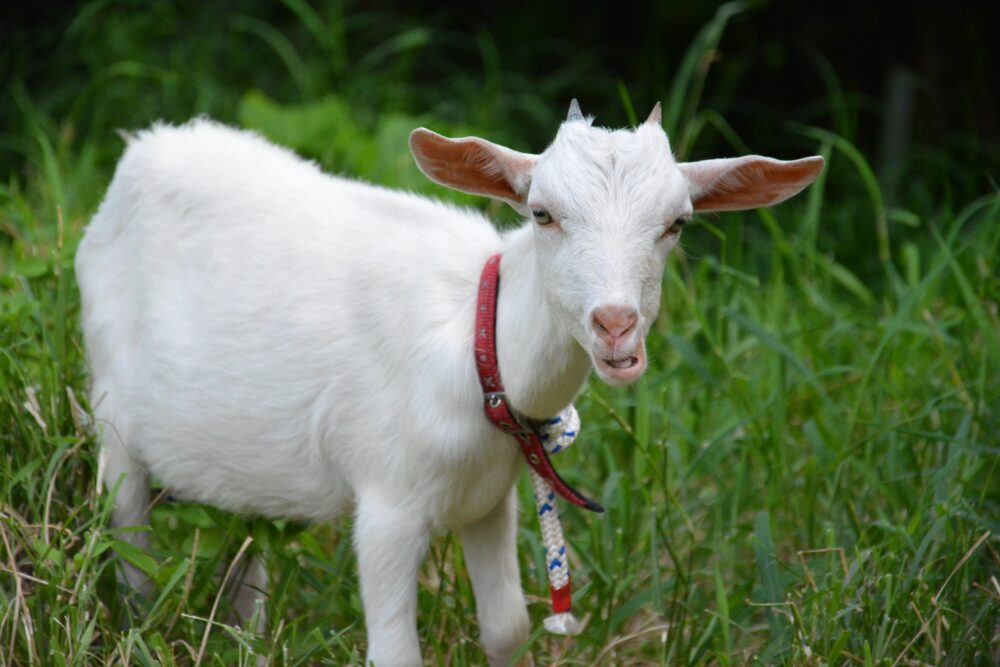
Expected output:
(574, 111)
(656, 115)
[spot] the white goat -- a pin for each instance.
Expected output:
(275, 341)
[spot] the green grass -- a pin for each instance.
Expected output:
(806, 475)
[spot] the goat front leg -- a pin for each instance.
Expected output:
(490, 548)
(391, 540)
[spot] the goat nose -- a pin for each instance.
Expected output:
(612, 323)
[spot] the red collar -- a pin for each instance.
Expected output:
(495, 403)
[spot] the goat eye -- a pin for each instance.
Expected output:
(675, 227)
(541, 216)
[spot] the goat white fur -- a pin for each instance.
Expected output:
(275, 341)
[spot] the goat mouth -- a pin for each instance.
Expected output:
(621, 370)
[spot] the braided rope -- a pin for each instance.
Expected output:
(556, 434)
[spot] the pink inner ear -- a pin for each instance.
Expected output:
(470, 164)
(748, 182)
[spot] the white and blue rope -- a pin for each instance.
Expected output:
(556, 434)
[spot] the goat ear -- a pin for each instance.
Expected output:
(474, 165)
(754, 181)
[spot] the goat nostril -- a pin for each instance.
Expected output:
(613, 322)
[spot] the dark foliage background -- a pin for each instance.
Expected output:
(780, 60)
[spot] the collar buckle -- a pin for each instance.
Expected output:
(495, 398)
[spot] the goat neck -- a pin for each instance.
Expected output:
(542, 366)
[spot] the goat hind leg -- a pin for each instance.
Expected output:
(250, 586)
(131, 506)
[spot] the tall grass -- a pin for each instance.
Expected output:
(807, 474)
